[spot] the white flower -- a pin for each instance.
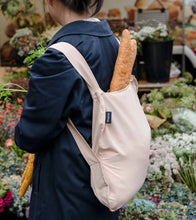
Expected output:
(145, 32)
(167, 167)
(153, 33)
(166, 150)
(133, 34)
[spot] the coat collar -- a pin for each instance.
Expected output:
(100, 29)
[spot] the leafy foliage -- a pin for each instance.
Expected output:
(179, 95)
(34, 54)
(161, 200)
(5, 94)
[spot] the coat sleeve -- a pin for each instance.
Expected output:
(54, 90)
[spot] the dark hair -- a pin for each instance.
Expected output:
(81, 6)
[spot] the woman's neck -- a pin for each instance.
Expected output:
(68, 18)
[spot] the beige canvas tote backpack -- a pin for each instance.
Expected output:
(121, 136)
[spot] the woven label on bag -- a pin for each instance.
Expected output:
(108, 117)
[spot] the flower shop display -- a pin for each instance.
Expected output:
(24, 31)
(161, 200)
(160, 102)
(28, 39)
(12, 163)
(12, 159)
(169, 191)
(156, 47)
(169, 153)
(162, 160)
(163, 195)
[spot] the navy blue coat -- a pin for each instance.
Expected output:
(61, 177)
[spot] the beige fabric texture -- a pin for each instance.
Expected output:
(119, 156)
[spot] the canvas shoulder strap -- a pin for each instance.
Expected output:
(80, 64)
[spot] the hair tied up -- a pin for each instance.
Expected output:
(81, 6)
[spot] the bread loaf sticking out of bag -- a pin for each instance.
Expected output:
(124, 62)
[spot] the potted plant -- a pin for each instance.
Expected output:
(156, 47)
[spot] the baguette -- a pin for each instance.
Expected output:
(27, 175)
(124, 62)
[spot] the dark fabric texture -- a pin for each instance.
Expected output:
(61, 179)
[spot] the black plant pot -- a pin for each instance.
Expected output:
(136, 67)
(157, 57)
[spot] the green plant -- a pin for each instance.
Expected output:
(5, 93)
(137, 209)
(166, 128)
(7, 90)
(161, 200)
(177, 210)
(11, 162)
(179, 95)
(180, 193)
(34, 54)
(191, 210)
(17, 151)
(187, 173)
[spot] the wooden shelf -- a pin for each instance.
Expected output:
(147, 86)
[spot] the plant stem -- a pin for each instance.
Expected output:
(7, 84)
(15, 90)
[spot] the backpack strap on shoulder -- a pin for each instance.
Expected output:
(79, 63)
(81, 66)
